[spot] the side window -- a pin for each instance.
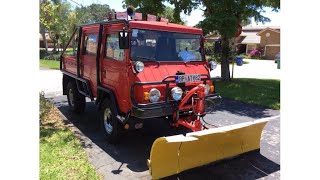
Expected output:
(90, 44)
(72, 47)
(112, 48)
(75, 45)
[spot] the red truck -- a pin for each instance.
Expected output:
(142, 74)
(138, 70)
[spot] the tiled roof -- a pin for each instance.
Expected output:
(259, 28)
(270, 29)
(250, 38)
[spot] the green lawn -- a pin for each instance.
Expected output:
(61, 154)
(265, 92)
(51, 64)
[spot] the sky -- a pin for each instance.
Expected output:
(192, 19)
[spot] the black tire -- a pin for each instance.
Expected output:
(76, 101)
(108, 118)
(183, 130)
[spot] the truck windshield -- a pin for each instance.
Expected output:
(150, 45)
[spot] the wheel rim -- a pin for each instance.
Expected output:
(71, 98)
(107, 120)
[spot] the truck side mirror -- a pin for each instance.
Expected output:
(123, 39)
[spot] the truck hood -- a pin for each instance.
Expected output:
(152, 72)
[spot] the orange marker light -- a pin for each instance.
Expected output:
(211, 88)
(146, 96)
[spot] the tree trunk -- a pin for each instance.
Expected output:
(43, 33)
(58, 46)
(54, 46)
(225, 72)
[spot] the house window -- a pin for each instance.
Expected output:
(90, 45)
(112, 48)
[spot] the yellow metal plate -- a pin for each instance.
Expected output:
(164, 156)
(174, 154)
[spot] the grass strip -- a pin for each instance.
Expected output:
(264, 92)
(61, 153)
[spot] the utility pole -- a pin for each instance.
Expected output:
(76, 3)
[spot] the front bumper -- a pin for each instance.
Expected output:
(153, 110)
(166, 108)
(161, 109)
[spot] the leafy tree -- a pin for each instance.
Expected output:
(60, 30)
(57, 17)
(169, 14)
(53, 18)
(47, 19)
(92, 13)
(145, 7)
(155, 7)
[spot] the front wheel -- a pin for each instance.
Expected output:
(111, 127)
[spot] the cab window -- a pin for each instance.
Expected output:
(90, 45)
(112, 48)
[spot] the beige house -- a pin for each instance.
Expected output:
(270, 41)
(266, 38)
(49, 41)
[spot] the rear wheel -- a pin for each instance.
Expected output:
(111, 127)
(76, 101)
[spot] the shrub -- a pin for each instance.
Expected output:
(209, 47)
(49, 55)
(256, 53)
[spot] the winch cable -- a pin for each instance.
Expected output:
(202, 115)
(209, 124)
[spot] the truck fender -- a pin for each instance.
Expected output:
(65, 80)
(107, 93)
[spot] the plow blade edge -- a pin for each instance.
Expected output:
(174, 154)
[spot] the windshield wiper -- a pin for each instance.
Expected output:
(148, 58)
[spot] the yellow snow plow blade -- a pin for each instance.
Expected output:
(174, 154)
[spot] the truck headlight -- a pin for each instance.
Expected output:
(207, 89)
(176, 93)
(138, 66)
(154, 95)
(213, 65)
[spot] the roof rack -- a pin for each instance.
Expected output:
(104, 22)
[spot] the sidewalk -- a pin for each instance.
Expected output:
(260, 69)
(50, 82)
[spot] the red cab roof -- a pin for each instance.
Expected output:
(163, 26)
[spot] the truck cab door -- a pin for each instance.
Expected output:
(88, 58)
(114, 71)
